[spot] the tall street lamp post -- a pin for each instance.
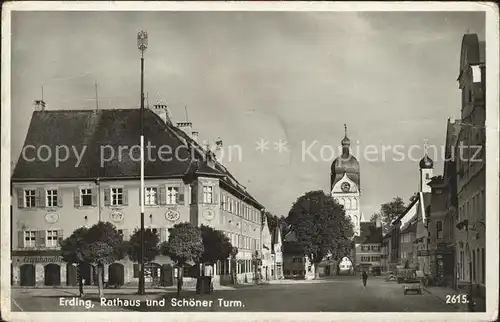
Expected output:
(142, 45)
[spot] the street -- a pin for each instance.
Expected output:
(342, 294)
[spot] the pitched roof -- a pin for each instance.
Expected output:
(408, 208)
(97, 135)
(369, 234)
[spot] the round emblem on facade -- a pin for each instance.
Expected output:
(345, 186)
(116, 216)
(172, 215)
(51, 217)
(208, 214)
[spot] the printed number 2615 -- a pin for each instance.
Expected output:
(454, 299)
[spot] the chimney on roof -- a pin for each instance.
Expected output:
(194, 136)
(39, 105)
(187, 127)
(163, 112)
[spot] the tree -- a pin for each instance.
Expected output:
(72, 251)
(151, 248)
(184, 245)
(273, 221)
(216, 245)
(102, 245)
(321, 227)
(389, 211)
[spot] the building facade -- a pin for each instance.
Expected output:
(385, 252)
(52, 200)
(368, 248)
(277, 253)
(441, 233)
(408, 250)
(450, 188)
(267, 272)
(295, 263)
(470, 232)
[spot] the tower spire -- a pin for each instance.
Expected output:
(345, 130)
(425, 147)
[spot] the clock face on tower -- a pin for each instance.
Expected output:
(345, 186)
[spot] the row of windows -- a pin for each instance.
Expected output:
(31, 198)
(478, 267)
(50, 238)
(239, 208)
(41, 238)
(370, 258)
(298, 260)
(153, 196)
(474, 152)
(348, 203)
(474, 206)
(242, 242)
(367, 248)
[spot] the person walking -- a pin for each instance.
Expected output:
(179, 280)
(365, 277)
(209, 272)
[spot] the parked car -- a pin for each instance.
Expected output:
(412, 285)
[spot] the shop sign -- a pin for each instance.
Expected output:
(444, 251)
(423, 252)
(39, 259)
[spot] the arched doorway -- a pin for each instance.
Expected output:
(71, 275)
(52, 274)
(116, 274)
(152, 273)
(87, 273)
(345, 266)
(167, 275)
(28, 275)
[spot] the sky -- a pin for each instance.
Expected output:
(250, 76)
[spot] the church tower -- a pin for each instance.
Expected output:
(345, 183)
(426, 171)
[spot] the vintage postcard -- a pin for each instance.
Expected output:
(208, 161)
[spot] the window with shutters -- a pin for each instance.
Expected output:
(51, 238)
(86, 197)
(150, 196)
(439, 230)
(29, 238)
(51, 197)
(116, 196)
(30, 198)
(172, 195)
(208, 194)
